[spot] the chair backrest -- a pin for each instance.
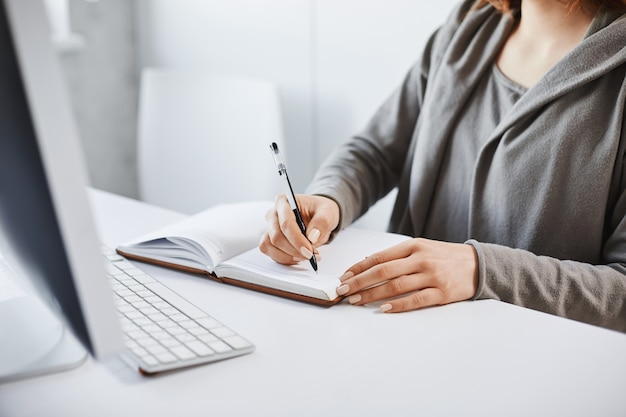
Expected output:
(204, 139)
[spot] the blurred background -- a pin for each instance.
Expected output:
(332, 62)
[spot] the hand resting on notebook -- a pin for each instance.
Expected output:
(413, 274)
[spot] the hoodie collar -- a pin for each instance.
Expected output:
(602, 50)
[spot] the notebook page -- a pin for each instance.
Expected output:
(350, 246)
(213, 235)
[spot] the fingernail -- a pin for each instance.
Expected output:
(345, 276)
(386, 307)
(306, 253)
(354, 298)
(343, 289)
(314, 234)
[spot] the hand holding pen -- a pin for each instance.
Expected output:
(283, 240)
(282, 171)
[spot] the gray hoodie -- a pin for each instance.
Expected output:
(547, 211)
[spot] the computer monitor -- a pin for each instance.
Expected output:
(46, 228)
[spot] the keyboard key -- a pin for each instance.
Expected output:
(156, 349)
(188, 324)
(200, 348)
(198, 331)
(237, 342)
(142, 321)
(208, 322)
(220, 346)
(208, 338)
(176, 331)
(158, 317)
(179, 317)
(170, 342)
(124, 292)
(183, 353)
(139, 351)
(150, 360)
(148, 341)
(185, 337)
(222, 332)
(166, 357)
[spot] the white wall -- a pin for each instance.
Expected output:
(102, 78)
(333, 60)
(364, 49)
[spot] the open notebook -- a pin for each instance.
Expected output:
(222, 243)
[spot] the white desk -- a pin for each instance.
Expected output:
(481, 358)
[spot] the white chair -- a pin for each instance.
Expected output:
(204, 139)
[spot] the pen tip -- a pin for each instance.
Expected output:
(274, 147)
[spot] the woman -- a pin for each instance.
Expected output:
(507, 142)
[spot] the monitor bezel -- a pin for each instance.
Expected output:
(44, 213)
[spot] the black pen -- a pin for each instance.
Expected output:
(282, 171)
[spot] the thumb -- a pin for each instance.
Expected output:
(323, 222)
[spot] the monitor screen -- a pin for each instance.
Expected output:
(46, 229)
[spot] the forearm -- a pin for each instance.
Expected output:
(593, 294)
(354, 178)
(364, 168)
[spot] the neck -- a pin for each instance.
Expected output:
(552, 23)
(547, 31)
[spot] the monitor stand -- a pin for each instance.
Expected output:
(34, 341)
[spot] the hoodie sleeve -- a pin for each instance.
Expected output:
(364, 168)
(591, 293)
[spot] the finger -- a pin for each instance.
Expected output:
(380, 272)
(419, 299)
(298, 245)
(274, 236)
(399, 251)
(393, 288)
(274, 252)
(321, 215)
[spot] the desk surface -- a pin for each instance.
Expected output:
(482, 358)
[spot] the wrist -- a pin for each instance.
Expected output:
(479, 275)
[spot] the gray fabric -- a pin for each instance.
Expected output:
(547, 206)
(493, 97)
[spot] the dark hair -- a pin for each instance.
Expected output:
(591, 5)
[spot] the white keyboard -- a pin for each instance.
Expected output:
(163, 331)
